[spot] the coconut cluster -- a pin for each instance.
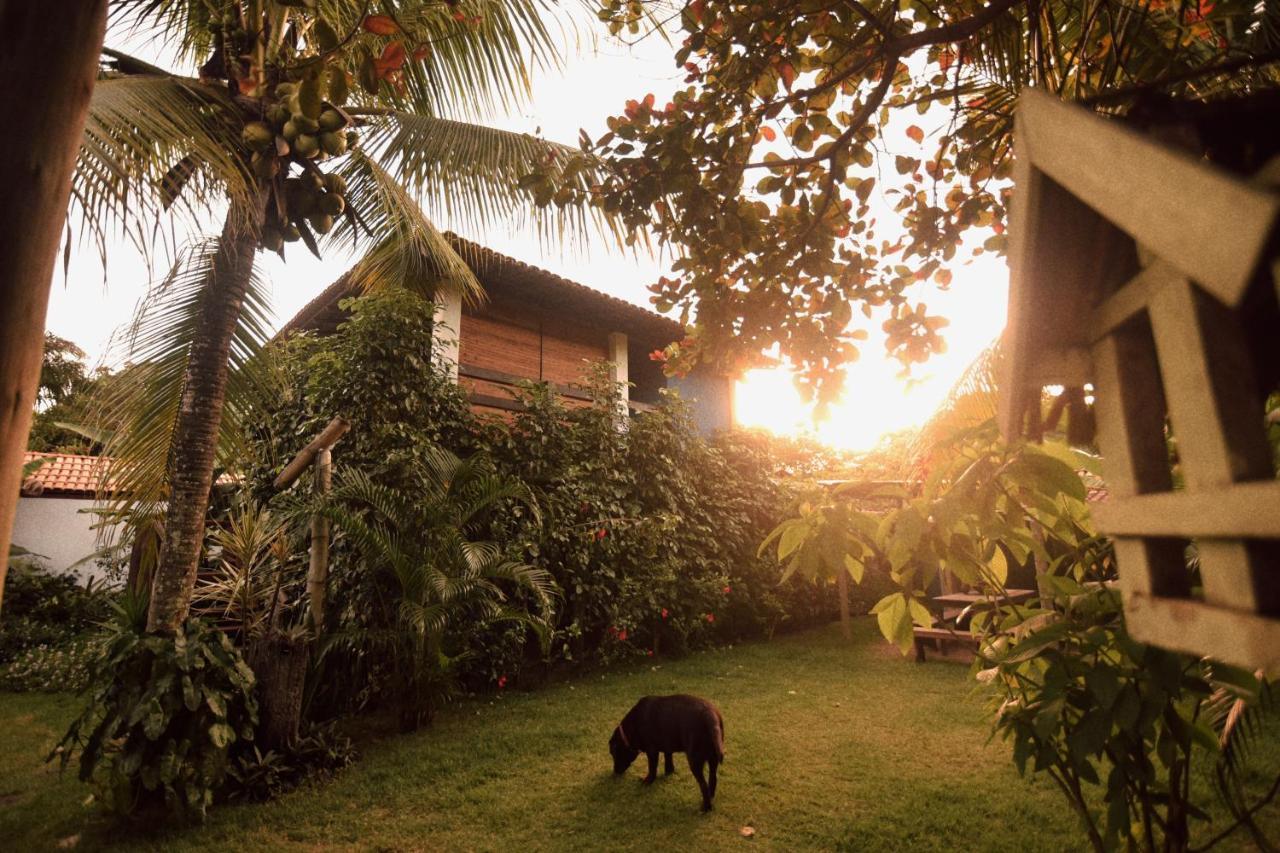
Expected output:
(299, 128)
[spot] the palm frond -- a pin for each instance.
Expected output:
(140, 411)
(482, 53)
(408, 251)
(152, 147)
(474, 177)
(181, 26)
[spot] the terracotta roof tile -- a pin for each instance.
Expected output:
(68, 474)
(63, 474)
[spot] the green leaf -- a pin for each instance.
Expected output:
(999, 566)
(855, 568)
(792, 538)
(893, 614)
(221, 735)
(1046, 475)
(919, 613)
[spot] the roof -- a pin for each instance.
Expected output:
(509, 279)
(73, 475)
(63, 474)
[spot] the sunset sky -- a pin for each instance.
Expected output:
(594, 84)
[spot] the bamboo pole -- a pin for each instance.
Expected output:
(49, 62)
(327, 438)
(318, 571)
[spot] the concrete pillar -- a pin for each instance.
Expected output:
(448, 318)
(618, 355)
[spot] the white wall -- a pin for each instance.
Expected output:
(56, 528)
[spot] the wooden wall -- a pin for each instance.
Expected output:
(501, 343)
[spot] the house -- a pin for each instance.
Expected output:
(1151, 278)
(53, 518)
(536, 325)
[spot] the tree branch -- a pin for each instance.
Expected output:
(855, 124)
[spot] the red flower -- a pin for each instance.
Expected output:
(502, 681)
(622, 635)
(664, 613)
(657, 355)
(711, 617)
(601, 533)
(728, 589)
(649, 652)
(613, 629)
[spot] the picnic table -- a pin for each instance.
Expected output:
(954, 609)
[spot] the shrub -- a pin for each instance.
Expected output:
(319, 753)
(51, 669)
(47, 609)
(648, 532)
(162, 715)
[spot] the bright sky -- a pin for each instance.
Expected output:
(595, 83)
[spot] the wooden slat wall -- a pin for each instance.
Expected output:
(541, 349)
(497, 345)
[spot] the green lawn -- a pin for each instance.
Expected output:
(829, 745)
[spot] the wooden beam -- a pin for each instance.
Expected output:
(327, 438)
(1154, 193)
(1231, 636)
(494, 402)
(502, 377)
(1239, 511)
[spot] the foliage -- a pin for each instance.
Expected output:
(50, 669)
(63, 395)
(420, 548)
(648, 532)
(790, 177)
(1078, 698)
(162, 715)
(320, 752)
(315, 123)
(249, 577)
(47, 609)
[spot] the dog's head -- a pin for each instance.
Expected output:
(622, 752)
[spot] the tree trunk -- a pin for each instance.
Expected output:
(200, 417)
(842, 590)
(279, 662)
(48, 62)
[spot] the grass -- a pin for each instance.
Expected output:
(830, 745)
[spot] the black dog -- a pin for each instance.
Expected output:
(670, 724)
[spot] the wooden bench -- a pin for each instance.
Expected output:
(940, 636)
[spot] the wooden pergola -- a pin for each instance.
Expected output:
(1152, 276)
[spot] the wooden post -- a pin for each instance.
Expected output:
(318, 572)
(842, 590)
(327, 438)
(49, 62)
(317, 454)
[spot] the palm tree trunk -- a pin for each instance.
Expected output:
(200, 417)
(48, 62)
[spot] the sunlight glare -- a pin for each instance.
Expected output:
(876, 401)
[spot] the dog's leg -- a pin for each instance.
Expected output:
(696, 764)
(711, 780)
(653, 768)
(670, 766)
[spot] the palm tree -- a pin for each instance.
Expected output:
(419, 544)
(310, 122)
